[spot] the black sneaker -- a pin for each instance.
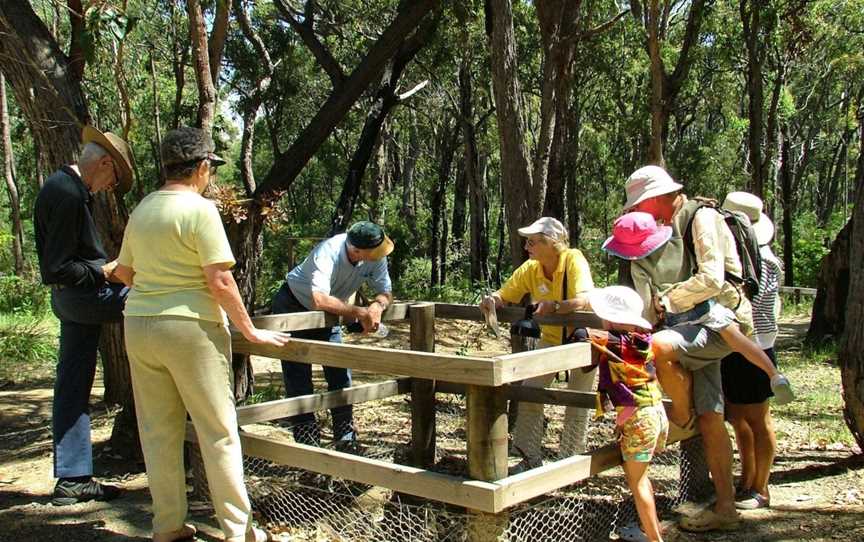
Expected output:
(348, 446)
(72, 490)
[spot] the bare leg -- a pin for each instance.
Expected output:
(744, 437)
(719, 458)
(643, 496)
(758, 418)
(675, 380)
(746, 347)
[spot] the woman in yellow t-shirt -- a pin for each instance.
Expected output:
(176, 258)
(542, 278)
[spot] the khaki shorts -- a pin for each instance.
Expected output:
(700, 351)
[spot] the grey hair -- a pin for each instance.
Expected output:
(560, 245)
(92, 152)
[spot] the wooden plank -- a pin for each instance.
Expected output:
(411, 480)
(296, 321)
(523, 365)
(423, 391)
(314, 402)
(433, 366)
(457, 311)
(529, 484)
(532, 483)
(798, 290)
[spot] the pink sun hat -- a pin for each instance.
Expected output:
(636, 235)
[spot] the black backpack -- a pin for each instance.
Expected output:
(745, 243)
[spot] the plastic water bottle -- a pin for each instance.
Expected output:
(357, 327)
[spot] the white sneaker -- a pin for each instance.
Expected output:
(782, 389)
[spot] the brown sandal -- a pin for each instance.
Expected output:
(709, 520)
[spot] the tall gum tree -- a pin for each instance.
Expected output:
(47, 87)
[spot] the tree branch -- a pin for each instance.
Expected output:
(287, 166)
(306, 31)
(77, 60)
(601, 28)
(216, 45)
(206, 89)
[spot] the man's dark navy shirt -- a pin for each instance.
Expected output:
(70, 253)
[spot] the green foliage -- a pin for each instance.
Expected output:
(28, 346)
(815, 419)
(812, 242)
(22, 296)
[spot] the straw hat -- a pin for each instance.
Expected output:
(119, 151)
(370, 236)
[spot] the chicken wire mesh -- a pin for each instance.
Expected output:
(315, 507)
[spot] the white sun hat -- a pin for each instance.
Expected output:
(548, 226)
(646, 183)
(751, 205)
(618, 304)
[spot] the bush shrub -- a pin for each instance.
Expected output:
(22, 295)
(28, 346)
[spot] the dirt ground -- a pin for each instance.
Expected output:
(817, 487)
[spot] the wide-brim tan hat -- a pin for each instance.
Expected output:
(646, 183)
(119, 151)
(751, 205)
(383, 250)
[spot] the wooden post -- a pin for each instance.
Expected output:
(422, 317)
(487, 454)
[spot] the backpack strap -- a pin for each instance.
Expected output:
(689, 242)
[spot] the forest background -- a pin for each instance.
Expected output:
(450, 122)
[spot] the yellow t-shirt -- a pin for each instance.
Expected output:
(529, 279)
(170, 237)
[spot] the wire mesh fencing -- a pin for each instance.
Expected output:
(309, 506)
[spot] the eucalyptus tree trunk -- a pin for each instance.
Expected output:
(852, 352)
(751, 17)
(665, 86)
(519, 194)
(47, 86)
(11, 184)
(203, 69)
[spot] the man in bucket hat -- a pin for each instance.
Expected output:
(674, 279)
(327, 278)
(84, 295)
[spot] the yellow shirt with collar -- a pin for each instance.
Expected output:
(529, 279)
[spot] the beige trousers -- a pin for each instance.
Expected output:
(179, 365)
(528, 430)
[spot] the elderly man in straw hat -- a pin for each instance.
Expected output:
(84, 295)
(674, 279)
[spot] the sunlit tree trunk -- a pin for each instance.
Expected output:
(11, 183)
